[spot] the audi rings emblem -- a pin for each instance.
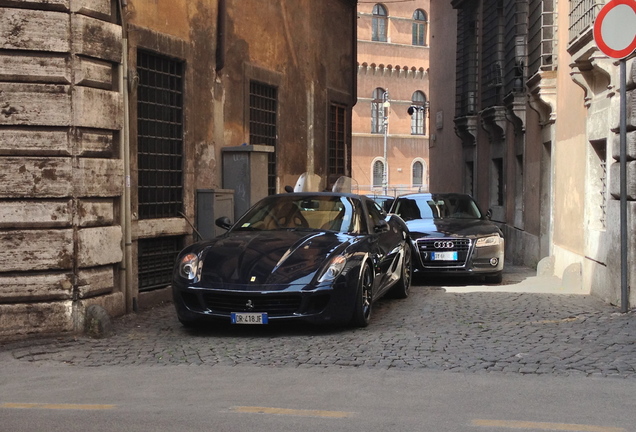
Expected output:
(444, 245)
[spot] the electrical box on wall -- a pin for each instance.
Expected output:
(212, 204)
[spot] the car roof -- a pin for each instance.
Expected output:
(310, 194)
(435, 194)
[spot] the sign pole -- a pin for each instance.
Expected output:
(615, 35)
(623, 185)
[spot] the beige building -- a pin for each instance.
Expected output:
(128, 124)
(526, 111)
(393, 86)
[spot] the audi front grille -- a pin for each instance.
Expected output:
(428, 247)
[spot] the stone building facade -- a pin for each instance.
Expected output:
(393, 61)
(118, 117)
(527, 118)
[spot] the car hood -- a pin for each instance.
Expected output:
(451, 227)
(268, 257)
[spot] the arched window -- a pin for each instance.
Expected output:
(378, 173)
(419, 27)
(418, 174)
(377, 111)
(418, 113)
(379, 23)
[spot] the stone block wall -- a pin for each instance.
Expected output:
(61, 173)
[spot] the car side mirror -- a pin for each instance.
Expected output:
(223, 222)
(381, 226)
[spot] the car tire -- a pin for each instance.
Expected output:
(495, 279)
(363, 302)
(403, 285)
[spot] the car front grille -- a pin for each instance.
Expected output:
(274, 305)
(429, 247)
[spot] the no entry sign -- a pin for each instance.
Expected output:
(615, 28)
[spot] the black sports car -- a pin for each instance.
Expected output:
(319, 257)
(452, 235)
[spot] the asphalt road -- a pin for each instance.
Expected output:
(437, 361)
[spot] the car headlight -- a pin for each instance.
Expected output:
(334, 269)
(190, 267)
(492, 240)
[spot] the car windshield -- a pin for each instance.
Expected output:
(437, 207)
(314, 212)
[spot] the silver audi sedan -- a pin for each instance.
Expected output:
(451, 235)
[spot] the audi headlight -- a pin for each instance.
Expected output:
(333, 270)
(190, 267)
(492, 240)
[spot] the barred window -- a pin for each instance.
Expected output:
(541, 34)
(263, 124)
(418, 174)
(155, 261)
(377, 110)
(419, 27)
(497, 182)
(379, 24)
(467, 65)
(418, 116)
(492, 54)
(378, 173)
(339, 157)
(597, 174)
(159, 136)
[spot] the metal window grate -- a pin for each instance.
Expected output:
(467, 65)
(492, 54)
(339, 161)
(498, 181)
(515, 14)
(263, 124)
(603, 192)
(541, 33)
(155, 261)
(159, 136)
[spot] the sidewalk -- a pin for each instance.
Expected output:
(519, 279)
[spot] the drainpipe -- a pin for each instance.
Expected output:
(126, 277)
(221, 34)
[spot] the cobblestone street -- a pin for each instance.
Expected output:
(498, 332)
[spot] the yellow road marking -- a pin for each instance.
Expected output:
(56, 406)
(292, 412)
(544, 426)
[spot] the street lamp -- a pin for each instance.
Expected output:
(386, 105)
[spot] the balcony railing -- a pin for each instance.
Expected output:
(582, 15)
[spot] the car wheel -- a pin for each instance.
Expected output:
(403, 286)
(363, 303)
(495, 279)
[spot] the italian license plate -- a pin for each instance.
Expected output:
(248, 318)
(444, 256)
